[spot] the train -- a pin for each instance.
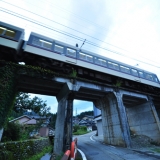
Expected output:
(12, 40)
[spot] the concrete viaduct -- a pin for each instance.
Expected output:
(123, 111)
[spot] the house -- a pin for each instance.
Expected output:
(28, 120)
(89, 122)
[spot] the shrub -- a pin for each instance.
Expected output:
(84, 128)
(76, 128)
(11, 132)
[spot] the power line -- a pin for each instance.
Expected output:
(64, 25)
(73, 30)
(70, 35)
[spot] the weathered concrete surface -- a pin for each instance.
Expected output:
(60, 124)
(143, 120)
(114, 122)
(63, 127)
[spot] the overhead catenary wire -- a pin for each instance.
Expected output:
(63, 25)
(78, 32)
(68, 34)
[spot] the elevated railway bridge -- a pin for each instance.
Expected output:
(126, 102)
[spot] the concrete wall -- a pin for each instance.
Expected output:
(111, 123)
(99, 128)
(142, 121)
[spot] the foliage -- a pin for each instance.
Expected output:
(81, 130)
(22, 149)
(75, 128)
(11, 132)
(7, 91)
(41, 154)
(23, 103)
(74, 73)
(83, 114)
(52, 119)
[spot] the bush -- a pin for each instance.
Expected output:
(84, 128)
(76, 128)
(11, 132)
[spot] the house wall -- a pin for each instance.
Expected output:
(22, 120)
(44, 131)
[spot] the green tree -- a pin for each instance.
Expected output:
(23, 103)
(11, 132)
(83, 114)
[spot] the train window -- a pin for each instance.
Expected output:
(113, 65)
(89, 58)
(2, 30)
(36, 42)
(82, 56)
(45, 44)
(71, 52)
(155, 78)
(10, 33)
(149, 77)
(58, 48)
(100, 61)
(125, 69)
(141, 74)
(134, 72)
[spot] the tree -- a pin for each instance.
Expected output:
(83, 114)
(11, 132)
(23, 103)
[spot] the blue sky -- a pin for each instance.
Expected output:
(129, 27)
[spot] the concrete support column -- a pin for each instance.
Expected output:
(123, 119)
(114, 120)
(63, 128)
(59, 127)
(68, 125)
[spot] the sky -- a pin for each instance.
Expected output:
(125, 30)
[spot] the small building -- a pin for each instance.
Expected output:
(27, 121)
(89, 122)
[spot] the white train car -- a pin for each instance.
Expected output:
(11, 36)
(50, 48)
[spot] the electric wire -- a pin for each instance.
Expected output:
(70, 35)
(64, 25)
(77, 31)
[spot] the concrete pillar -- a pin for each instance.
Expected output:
(114, 120)
(68, 125)
(63, 128)
(123, 119)
(60, 124)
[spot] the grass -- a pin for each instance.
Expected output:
(156, 150)
(80, 132)
(41, 154)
